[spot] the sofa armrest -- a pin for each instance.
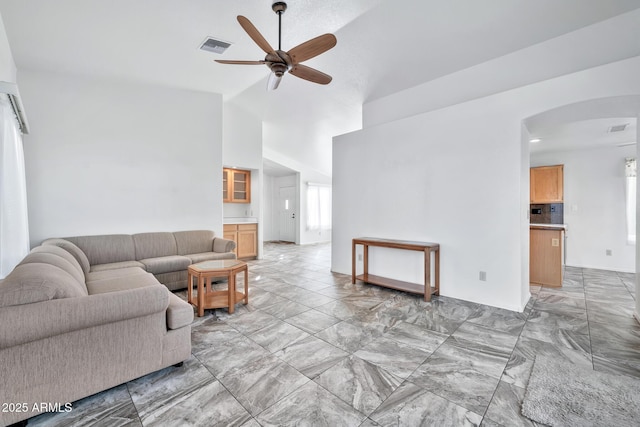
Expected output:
(31, 322)
(179, 312)
(223, 245)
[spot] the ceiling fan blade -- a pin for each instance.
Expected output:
(223, 61)
(273, 82)
(255, 34)
(313, 47)
(310, 74)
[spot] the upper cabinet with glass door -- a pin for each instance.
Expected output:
(236, 186)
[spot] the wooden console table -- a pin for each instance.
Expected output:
(427, 247)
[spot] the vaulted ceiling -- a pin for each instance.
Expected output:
(384, 46)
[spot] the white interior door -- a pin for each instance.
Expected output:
(287, 214)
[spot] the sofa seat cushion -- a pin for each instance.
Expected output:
(121, 283)
(207, 256)
(37, 282)
(166, 264)
(179, 312)
(116, 265)
(110, 274)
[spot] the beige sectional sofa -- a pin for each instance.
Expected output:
(83, 314)
(166, 255)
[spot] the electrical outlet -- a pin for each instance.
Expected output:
(609, 252)
(555, 242)
(483, 276)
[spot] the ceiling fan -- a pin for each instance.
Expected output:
(280, 61)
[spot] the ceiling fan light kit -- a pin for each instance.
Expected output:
(280, 61)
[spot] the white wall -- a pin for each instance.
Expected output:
(637, 312)
(594, 206)
(454, 176)
(269, 229)
(108, 156)
(242, 137)
(525, 190)
(434, 178)
(7, 65)
(242, 148)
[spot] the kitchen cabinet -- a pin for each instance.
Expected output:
(246, 238)
(545, 255)
(236, 186)
(547, 184)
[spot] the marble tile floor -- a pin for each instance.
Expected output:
(312, 349)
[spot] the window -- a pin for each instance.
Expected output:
(14, 227)
(630, 169)
(318, 207)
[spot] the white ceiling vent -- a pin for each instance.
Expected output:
(618, 128)
(214, 45)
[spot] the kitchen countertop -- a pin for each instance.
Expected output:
(549, 226)
(240, 220)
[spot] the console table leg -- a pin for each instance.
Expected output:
(365, 261)
(246, 286)
(437, 272)
(427, 275)
(353, 263)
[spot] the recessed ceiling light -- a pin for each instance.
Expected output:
(534, 140)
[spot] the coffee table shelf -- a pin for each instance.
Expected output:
(205, 297)
(220, 299)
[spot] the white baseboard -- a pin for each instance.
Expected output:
(593, 267)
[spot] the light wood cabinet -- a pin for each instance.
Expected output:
(547, 184)
(545, 256)
(236, 186)
(246, 238)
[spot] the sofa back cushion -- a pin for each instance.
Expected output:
(49, 258)
(154, 245)
(194, 242)
(75, 251)
(106, 249)
(36, 282)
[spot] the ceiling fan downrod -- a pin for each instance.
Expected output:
(279, 7)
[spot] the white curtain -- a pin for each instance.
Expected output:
(14, 226)
(630, 169)
(318, 207)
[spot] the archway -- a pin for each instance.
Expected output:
(595, 114)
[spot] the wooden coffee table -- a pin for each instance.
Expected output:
(206, 297)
